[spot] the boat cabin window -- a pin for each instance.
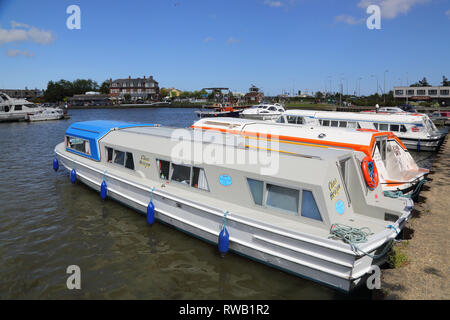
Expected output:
(381, 145)
(342, 124)
(344, 168)
(281, 120)
(394, 128)
(78, 144)
(164, 168)
(325, 123)
(129, 163)
(109, 154)
(18, 107)
(334, 123)
(309, 206)
(352, 124)
(375, 125)
(119, 157)
(256, 188)
(403, 128)
(282, 198)
(295, 120)
(199, 179)
(181, 174)
(191, 176)
(383, 127)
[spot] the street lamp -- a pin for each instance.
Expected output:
(384, 87)
(376, 77)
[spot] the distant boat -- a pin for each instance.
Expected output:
(415, 130)
(264, 111)
(47, 114)
(220, 111)
(16, 109)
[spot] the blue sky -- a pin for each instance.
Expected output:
(191, 44)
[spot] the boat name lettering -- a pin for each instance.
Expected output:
(334, 188)
(144, 161)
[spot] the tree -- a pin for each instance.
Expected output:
(127, 97)
(445, 82)
(104, 88)
(319, 95)
(421, 83)
(164, 92)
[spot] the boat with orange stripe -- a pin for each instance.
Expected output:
(395, 166)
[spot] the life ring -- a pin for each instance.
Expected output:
(370, 172)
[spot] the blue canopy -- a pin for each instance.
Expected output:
(93, 131)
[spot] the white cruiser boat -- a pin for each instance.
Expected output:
(283, 217)
(16, 109)
(396, 167)
(263, 111)
(47, 114)
(416, 130)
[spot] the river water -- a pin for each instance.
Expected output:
(48, 224)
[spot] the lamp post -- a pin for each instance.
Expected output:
(376, 77)
(359, 86)
(384, 87)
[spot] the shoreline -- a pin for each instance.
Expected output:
(424, 273)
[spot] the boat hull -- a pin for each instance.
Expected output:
(329, 262)
(432, 144)
(228, 114)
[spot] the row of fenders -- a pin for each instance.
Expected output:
(224, 236)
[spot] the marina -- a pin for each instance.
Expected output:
(82, 215)
(220, 159)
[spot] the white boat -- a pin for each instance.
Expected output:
(416, 130)
(285, 218)
(16, 109)
(396, 167)
(47, 114)
(264, 111)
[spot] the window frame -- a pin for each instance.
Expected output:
(114, 150)
(288, 213)
(191, 175)
(89, 154)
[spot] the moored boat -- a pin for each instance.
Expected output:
(47, 114)
(416, 130)
(220, 111)
(281, 212)
(16, 109)
(396, 167)
(264, 111)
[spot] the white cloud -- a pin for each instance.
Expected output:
(348, 19)
(209, 39)
(15, 53)
(15, 24)
(275, 4)
(25, 33)
(232, 40)
(390, 9)
(448, 13)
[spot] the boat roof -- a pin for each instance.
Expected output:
(365, 116)
(339, 137)
(97, 129)
(214, 137)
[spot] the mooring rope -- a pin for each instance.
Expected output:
(352, 236)
(412, 195)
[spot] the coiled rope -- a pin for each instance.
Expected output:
(352, 236)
